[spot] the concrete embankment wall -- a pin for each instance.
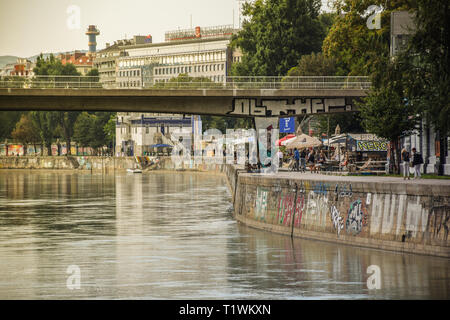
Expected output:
(106, 164)
(390, 216)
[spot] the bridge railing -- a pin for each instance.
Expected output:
(250, 82)
(50, 82)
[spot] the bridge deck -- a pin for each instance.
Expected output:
(235, 102)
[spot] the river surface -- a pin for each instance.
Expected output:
(172, 236)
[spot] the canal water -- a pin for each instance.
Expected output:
(172, 236)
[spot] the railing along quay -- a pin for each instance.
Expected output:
(251, 82)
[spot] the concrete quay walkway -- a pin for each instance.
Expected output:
(345, 178)
(430, 187)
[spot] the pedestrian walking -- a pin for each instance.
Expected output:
(311, 161)
(303, 155)
(405, 163)
(416, 162)
(297, 159)
(280, 158)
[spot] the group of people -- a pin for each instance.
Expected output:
(409, 161)
(311, 158)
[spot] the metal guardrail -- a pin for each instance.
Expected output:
(254, 82)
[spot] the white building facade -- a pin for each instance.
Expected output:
(139, 134)
(196, 52)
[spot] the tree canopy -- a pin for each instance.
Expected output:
(276, 34)
(54, 67)
(351, 43)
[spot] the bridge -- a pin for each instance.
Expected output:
(236, 96)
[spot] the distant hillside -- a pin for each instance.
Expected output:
(4, 60)
(46, 55)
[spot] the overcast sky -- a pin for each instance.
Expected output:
(28, 27)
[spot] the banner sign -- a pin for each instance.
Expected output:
(287, 125)
(379, 146)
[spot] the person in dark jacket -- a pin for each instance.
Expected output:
(417, 161)
(297, 159)
(405, 163)
(303, 160)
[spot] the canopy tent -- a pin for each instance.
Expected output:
(303, 141)
(286, 139)
(335, 140)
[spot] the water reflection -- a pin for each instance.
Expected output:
(172, 236)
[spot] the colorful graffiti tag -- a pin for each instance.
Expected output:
(261, 204)
(371, 145)
(285, 209)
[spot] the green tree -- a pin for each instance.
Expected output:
(385, 111)
(276, 35)
(83, 129)
(354, 46)
(46, 123)
(427, 80)
(110, 130)
(8, 120)
(92, 73)
(51, 66)
(314, 65)
(64, 119)
(349, 122)
(89, 130)
(26, 132)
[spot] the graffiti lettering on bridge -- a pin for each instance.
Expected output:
(356, 218)
(283, 107)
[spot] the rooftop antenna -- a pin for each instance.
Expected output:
(233, 18)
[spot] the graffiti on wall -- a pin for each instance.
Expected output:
(337, 220)
(285, 209)
(389, 210)
(371, 145)
(439, 221)
(316, 208)
(343, 190)
(281, 107)
(299, 209)
(261, 204)
(356, 218)
(291, 206)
